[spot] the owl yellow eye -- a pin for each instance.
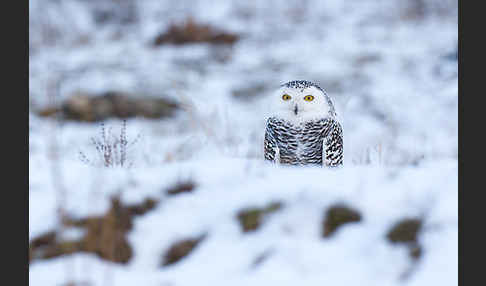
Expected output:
(308, 98)
(286, 97)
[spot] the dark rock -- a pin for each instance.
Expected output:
(180, 250)
(405, 231)
(181, 187)
(251, 218)
(336, 216)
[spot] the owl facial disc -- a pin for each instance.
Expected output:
(300, 101)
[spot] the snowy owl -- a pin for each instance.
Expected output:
(303, 128)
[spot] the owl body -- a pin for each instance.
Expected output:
(304, 132)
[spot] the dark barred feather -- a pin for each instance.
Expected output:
(303, 144)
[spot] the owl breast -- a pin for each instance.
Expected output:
(299, 144)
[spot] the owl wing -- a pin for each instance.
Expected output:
(271, 151)
(332, 153)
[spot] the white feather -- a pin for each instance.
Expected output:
(277, 155)
(307, 110)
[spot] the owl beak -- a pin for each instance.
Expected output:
(296, 109)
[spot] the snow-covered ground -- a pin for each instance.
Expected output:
(393, 78)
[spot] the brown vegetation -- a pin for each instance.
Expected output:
(104, 235)
(88, 107)
(191, 32)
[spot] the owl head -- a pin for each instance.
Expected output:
(301, 100)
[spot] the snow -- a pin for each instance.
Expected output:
(395, 94)
(383, 196)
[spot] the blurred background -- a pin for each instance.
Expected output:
(146, 124)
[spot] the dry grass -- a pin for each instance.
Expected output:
(112, 150)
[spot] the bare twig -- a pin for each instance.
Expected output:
(112, 150)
